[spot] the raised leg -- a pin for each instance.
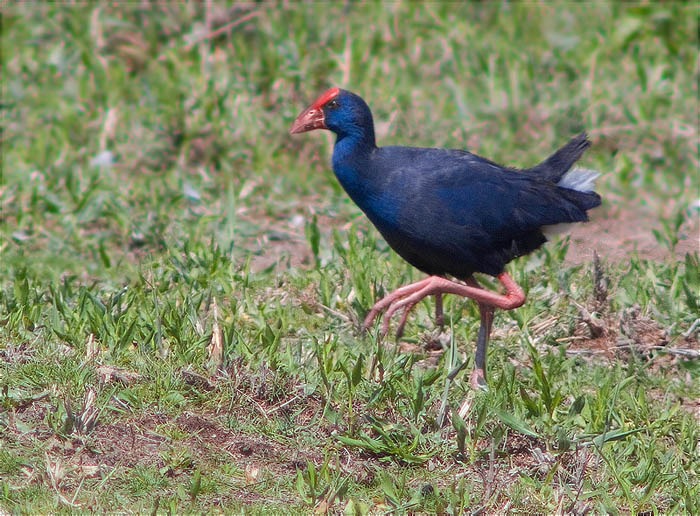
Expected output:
(407, 297)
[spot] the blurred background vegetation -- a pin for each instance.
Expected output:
(191, 100)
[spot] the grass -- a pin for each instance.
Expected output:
(182, 281)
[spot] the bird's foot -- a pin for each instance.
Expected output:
(409, 296)
(478, 380)
(396, 300)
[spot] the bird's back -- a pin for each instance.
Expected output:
(450, 212)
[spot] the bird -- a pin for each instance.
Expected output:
(450, 213)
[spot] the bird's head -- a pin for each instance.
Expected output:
(339, 111)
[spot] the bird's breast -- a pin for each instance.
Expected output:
(377, 199)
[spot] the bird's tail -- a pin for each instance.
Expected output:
(578, 186)
(579, 179)
(558, 164)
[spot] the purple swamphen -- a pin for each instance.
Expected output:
(450, 213)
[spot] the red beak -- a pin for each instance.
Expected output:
(311, 118)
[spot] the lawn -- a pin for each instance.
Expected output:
(182, 282)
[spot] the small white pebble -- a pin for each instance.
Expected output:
(190, 192)
(103, 159)
(297, 221)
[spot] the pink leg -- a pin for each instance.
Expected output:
(391, 298)
(407, 297)
(439, 317)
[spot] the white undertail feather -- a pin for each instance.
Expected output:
(580, 179)
(550, 232)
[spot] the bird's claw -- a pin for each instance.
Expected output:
(391, 309)
(405, 298)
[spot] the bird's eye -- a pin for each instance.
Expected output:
(333, 104)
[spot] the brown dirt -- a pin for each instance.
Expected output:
(191, 441)
(628, 333)
(181, 445)
(618, 230)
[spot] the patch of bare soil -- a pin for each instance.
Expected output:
(518, 456)
(620, 229)
(619, 335)
(203, 440)
(634, 333)
(176, 448)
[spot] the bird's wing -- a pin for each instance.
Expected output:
(454, 212)
(459, 188)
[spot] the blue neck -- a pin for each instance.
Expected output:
(358, 175)
(351, 156)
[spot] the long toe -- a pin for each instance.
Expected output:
(373, 314)
(402, 324)
(393, 302)
(369, 320)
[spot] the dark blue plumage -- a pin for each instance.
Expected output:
(450, 212)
